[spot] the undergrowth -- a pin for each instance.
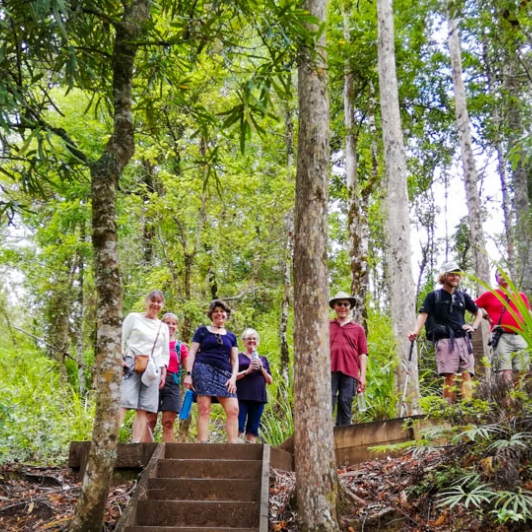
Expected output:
(39, 414)
(486, 451)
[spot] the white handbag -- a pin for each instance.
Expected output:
(151, 373)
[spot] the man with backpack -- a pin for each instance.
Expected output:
(443, 314)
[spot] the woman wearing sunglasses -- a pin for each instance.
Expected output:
(212, 366)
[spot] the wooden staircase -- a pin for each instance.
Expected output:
(194, 487)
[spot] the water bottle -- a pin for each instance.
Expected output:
(184, 413)
(254, 355)
(361, 401)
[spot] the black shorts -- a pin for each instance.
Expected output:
(170, 395)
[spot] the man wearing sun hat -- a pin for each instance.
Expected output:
(349, 351)
(443, 314)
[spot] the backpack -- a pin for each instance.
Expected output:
(436, 331)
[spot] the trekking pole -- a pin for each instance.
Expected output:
(408, 371)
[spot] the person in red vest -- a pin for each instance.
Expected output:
(511, 355)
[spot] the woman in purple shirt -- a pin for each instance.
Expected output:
(253, 375)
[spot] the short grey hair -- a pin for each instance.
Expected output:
(248, 332)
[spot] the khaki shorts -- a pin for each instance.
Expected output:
(511, 354)
(459, 360)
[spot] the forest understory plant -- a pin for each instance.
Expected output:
(486, 454)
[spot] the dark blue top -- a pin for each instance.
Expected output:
(253, 386)
(211, 351)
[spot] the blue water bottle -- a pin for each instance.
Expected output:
(184, 413)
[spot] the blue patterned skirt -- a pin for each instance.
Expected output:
(210, 381)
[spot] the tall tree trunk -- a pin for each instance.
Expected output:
(317, 485)
(105, 174)
(356, 211)
(287, 265)
(148, 226)
(476, 234)
(79, 315)
(397, 222)
(494, 91)
(521, 202)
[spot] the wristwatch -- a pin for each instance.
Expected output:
(189, 373)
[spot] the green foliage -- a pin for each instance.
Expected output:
(515, 506)
(467, 491)
(488, 446)
(380, 394)
(277, 423)
(39, 415)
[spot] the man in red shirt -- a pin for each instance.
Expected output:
(349, 352)
(511, 355)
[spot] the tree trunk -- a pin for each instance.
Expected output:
(523, 228)
(494, 91)
(105, 173)
(317, 484)
(397, 221)
(356, 208)
(287, 266)
(476, 234)
(79, 315)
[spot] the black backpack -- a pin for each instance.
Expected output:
(436, 331)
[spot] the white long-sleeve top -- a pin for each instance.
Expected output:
(138, 337)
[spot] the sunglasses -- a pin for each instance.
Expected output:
(343, 304)
(219, 339)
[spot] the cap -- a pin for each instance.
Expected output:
(342, 295)
(448, 267)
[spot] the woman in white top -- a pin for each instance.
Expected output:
(144, 334)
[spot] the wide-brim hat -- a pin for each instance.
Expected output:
(342, 296)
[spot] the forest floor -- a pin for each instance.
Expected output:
(383, 495)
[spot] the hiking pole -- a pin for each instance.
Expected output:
(408, 371)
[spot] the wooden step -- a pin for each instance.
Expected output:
(206, 514)
(214, 451)
(187, 489)
(206, 469)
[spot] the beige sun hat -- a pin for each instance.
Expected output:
(450, 267)
(342, 296)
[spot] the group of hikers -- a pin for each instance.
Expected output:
(443, 314)
(216, 371)
(213, 368)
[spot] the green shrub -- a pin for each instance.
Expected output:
(39, 416)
